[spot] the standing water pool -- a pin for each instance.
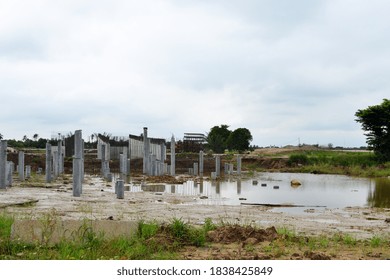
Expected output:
(315, 191)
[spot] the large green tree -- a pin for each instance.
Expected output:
(221, 138)
(239, 139)
(375, 120)
(217, 138)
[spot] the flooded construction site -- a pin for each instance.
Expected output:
(140, 180)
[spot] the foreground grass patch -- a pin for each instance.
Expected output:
(180, 240)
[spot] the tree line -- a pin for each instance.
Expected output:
(220, 138)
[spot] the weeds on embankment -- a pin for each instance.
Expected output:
(362, 164)
(179, 240)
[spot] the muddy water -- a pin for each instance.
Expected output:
(315, 191)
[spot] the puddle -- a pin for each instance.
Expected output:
(316, 192)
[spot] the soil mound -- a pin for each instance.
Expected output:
(236, 233)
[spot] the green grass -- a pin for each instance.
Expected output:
(153, 241)
(363, 164)
(5, 226)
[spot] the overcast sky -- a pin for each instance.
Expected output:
(288, 71)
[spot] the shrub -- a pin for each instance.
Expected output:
(296, 159)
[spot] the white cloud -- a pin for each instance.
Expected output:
(283, 69)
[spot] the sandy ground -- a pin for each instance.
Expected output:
(98, 202)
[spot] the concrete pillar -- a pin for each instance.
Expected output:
(12, 166)
(163, 152)
(239, 157)
(154, 166)
(106, 169)
(173, 156)
(231, 169)
(109, 177)
(28, 171)
(105, 166)
(150, 167)
(201, 163)
(60, 157)
(146, 152)
(103, 159)
(59, 152)
(21, 165)
(120, 194)
(3, 164)
(82, 162)
(55, 164)
(195, 168)
(48, 163)
(162, 168)
(129, 155)
(125, 157)
(78, 164)
(116, 186)
(121, 164)
(9, 171)
(226, 168)
(217, 165)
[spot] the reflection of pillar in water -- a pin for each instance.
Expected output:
(201, 186)
(173, 189)
(238, 186)
(218, 187)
